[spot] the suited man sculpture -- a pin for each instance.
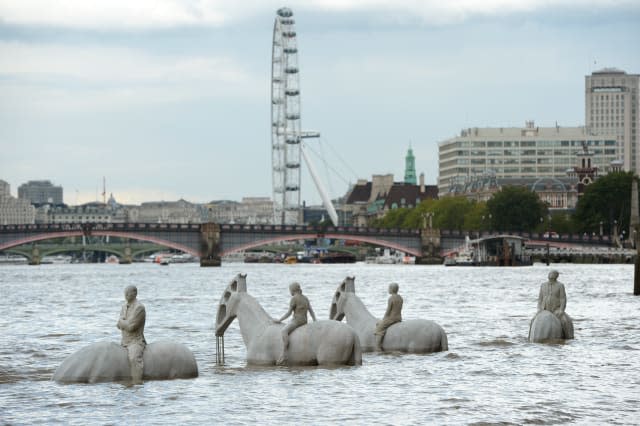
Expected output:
(131, 322)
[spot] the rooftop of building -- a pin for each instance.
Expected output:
(609, 70)
(528, 131)
(404, 194)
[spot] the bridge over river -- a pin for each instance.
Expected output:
(211, 241)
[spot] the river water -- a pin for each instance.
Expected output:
(490, 374)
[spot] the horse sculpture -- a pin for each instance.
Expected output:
(318, 343)
(413, 336)
(107, 362)
(545, 327)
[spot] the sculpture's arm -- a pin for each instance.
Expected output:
(285, 316)
(136, 322)
(389, 308)
(120, 318)
(540, 300)
(563, 301)
(292, 306)
(313, 315)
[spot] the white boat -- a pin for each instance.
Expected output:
(112, 259)
(57, 259)
(13, 260)
(235, 257)
(182, 258)
(386, 258)
(464, 257)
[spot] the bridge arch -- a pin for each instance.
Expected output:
(362, 239)
(99, 233)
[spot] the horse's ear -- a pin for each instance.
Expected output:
(242, 283)
(350, 284)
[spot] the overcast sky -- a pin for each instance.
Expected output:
(170, 99)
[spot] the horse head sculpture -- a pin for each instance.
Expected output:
(337, 304)
(228, 303)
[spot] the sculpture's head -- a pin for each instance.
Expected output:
(553, 275)
(393, 288)
(336, 311)
(294, 288)
(130, 293)
(229, 303)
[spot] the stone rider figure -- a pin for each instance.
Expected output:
(299, 305)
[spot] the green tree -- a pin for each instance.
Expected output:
(450, 213)
(515, 208)
(394, 218)
(418, 217)
(477, 218)
(562, 223)
(606, 200)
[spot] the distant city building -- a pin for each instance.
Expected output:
(523, 153)
(559, 193)
(180, 211)
(251, 210)
(612, 107)
(39, 192)
(94, 212)
(14, 211)
(410, 168)
(5, 189)
(368, 200)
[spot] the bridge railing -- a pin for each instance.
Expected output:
(99, 226)
(539, 236)
(316, 229)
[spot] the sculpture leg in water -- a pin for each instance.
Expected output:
(136, 362)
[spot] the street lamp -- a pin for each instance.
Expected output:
(542, 225)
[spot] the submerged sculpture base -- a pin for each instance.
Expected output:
(107, 362)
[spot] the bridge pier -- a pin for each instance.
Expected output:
(126, 258)
(35, 255)
(210, 245)
(430, 246)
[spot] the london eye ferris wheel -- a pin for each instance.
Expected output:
(286, 133)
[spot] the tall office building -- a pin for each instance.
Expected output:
(40, 192)
(14, 211)
(612, 107)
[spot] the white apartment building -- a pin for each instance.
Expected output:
(514, 152)
(14, 211)
(612, 107)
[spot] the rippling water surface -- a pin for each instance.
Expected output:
(490, 374)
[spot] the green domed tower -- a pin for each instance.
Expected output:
(410, 168)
